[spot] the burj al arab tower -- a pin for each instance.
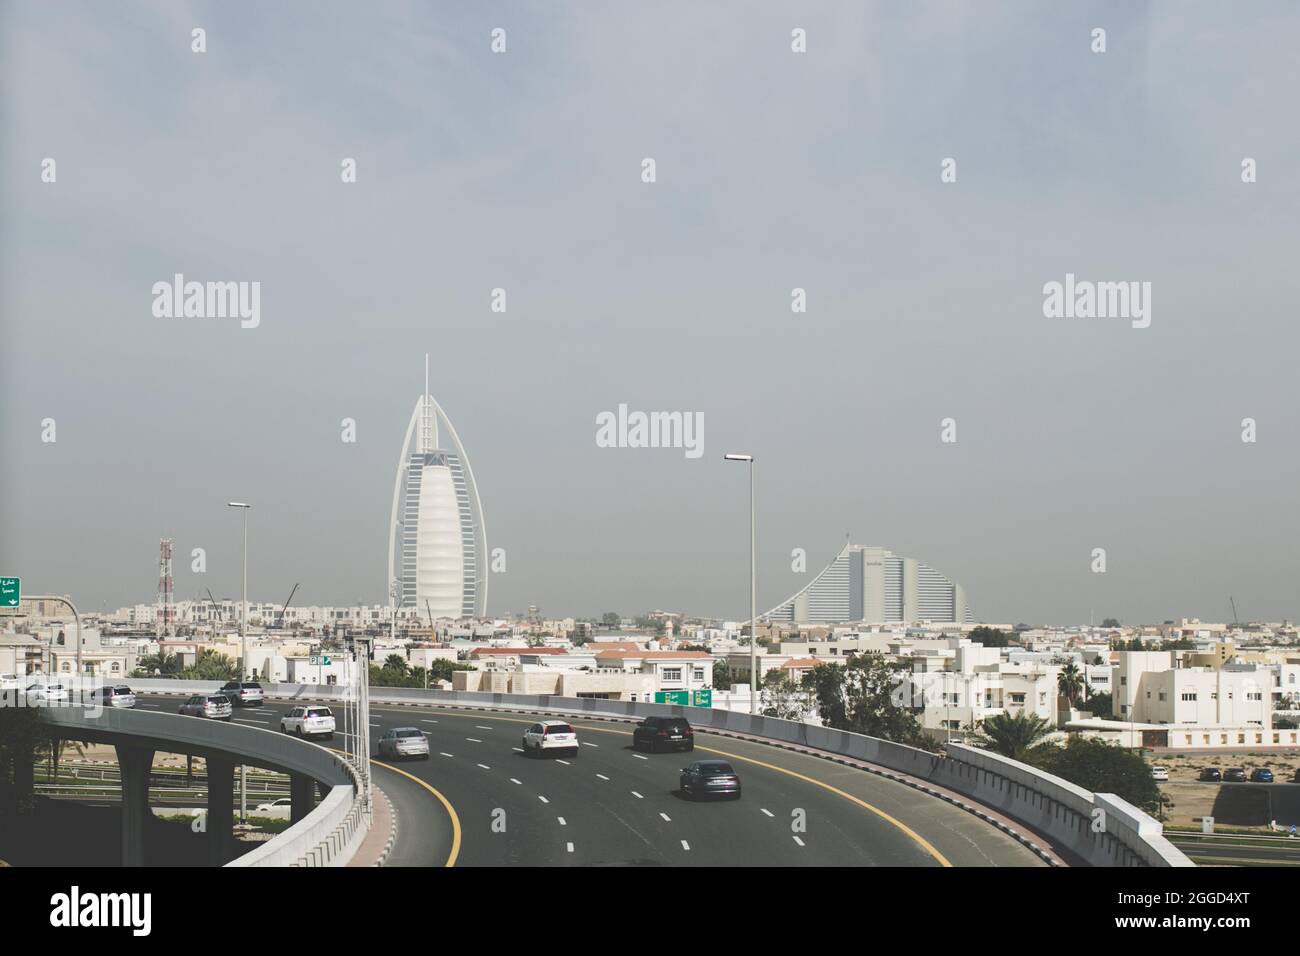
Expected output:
(436, 530)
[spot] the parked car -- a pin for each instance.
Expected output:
(550, 736)
(213, 706)
(309, 722)
(118, 695)
(1296, 778)
(1261, 775)
(404, 742)
(1234, 775)
(1211, 774)
(710, 778)
(662, 733)
(1159, 773)
(246, 694)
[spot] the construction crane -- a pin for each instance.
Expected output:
(279, 621)
(215, 605)
(1234, 609)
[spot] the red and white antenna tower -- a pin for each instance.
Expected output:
(166, 611)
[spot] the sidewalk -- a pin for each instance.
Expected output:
(379, 841)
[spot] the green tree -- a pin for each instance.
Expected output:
(1096, 765)
(1069, 683)
(162, 665)
(861, 696)
(781, 697)
(610, 619)
(1100, 705)
(23, 741)
(1015, 735)
(990, 636)
(211, 665)
(721, 675)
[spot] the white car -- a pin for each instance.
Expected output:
(284, 803)
(309, 722)
(1159, 773)
(48, 693)
(404, 742)
(550, 736)
(10, 682)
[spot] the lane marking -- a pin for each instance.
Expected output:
(585, 744)
(517, 750)
(637, 795)
(685, 845)
(513, 780)
(667, 818)
(445, 754)
(451, 811)
(479, 727)
(565, 762)
(562, 823)
(474, 740)
(542, 798)
(768, 812)
(428, 721)
(570, 847)
(602, 776)
(485, 766)
(797, 840)
(916, 837)
(640, 757)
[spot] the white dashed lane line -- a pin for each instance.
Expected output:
(602, 776)
(639, 757)
(667, 818)
(569, 846)
(474, 740)
(797, 840)
(685, 845)
(477, 727)
(768, 812)
(585, 744)
(428, 721)
(542, 798)
(519, 782)
(637, 795)
(562, 823)
(565, 762)
(442, 754)
(485, 766)
(517, 750)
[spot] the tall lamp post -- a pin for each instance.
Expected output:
(753, 590)
(243, 654)
(243, 608)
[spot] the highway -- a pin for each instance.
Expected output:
(479, 801)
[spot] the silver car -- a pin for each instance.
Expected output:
(404, 742)
(213, 706)
(118, 695)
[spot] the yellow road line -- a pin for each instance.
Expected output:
(451, 811)
(922, 841)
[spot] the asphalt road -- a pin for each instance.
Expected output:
(478, 801)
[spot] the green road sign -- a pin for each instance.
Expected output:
(11, 592)
(694, 698)
(327, 662)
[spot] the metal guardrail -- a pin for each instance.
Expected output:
(327, 836)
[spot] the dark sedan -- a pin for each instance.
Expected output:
(1234, 775)
(1211, 775)
(710, 778)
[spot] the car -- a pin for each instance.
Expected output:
(1261, 775)
(1296, 778)
(1159, 773)
(212, 706)
(1211, 774)
(48, 693)
(404, 742)
(309, 722)
(116, 695)
(10, 682)
(662, 733)
(284, 803)
(246, 694)
(550, 735)
(1234, 775)
(710, 778)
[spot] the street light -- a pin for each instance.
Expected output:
(753, 590)
(243, 655)
(243, 612)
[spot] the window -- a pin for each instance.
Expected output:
(1123, 682)
(672, 673)
(699, 673)
(1188, 695)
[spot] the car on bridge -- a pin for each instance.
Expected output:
(309, 722)
(404, 742)
(663, 733)
(550, 735)
(710, 778)
(116, 695)
(212, 706)
(246, 694)
(48, 693)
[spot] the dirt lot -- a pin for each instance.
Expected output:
(1240, 804)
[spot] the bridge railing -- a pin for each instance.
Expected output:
(1098, 828)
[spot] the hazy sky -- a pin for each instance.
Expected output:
(775, 170)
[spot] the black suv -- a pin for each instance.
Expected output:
(663, 733)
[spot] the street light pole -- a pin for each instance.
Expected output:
(243, 655)
(753, 589)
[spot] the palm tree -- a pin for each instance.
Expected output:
(1069, 683)
(1015, 736)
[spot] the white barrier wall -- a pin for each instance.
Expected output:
(1098, 828)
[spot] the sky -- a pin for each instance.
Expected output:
(774, 170)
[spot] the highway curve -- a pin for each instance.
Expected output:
(611, 806)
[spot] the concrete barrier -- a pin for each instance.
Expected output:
(327, 836)
(1098, 828)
